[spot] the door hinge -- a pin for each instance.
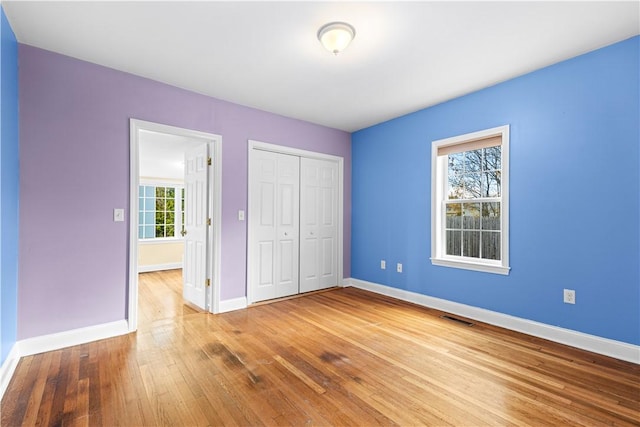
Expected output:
(209, 161)
(208, 221)
(208, 282)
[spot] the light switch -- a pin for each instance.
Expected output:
(240, 215)
(118, 215)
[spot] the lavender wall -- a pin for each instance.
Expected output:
(74, 169)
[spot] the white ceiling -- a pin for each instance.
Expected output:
(406, 55)
(162, 155)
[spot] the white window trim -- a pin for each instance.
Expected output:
(438, 190)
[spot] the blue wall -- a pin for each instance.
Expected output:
(574, 199)
(9, 178)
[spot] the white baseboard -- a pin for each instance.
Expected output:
(233, 304)
(8, 368)
(595, 344)
(56, 341)
(73, 337)
(159, 267)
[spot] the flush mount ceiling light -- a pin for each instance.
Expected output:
(336, 36)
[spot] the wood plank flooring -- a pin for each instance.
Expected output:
(343, 357)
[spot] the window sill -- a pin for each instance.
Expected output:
(475, 266)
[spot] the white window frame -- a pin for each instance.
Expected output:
(438, 197)
(178, 222)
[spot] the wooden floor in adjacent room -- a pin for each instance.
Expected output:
(343, 357)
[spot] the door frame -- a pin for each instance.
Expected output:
(215, 210)
(265, 146)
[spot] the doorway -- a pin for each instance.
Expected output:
(189, 150)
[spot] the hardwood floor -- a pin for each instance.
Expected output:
(344, 357)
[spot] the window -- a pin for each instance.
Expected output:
(161, 211)
(470, 201)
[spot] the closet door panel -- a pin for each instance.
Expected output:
(274, 212)
(318, 225)
(288, 225)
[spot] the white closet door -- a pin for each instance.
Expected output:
(318, 224)
(274, 212)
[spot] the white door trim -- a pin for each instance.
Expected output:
(215, 207)
(258, 145)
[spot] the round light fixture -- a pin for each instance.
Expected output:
(336, 36)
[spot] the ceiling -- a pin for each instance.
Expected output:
(406, 55)
(162, 155)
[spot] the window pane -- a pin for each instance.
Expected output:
(140, 232)
(454, 215)
(456, 186)
(149, 218)
(159, 230)
(473, 160)
(491, 216)
(454, 162)
(171, 193)
(140, 218)
(491, 245)
(160, 204)
(491, 184)
(170, 205)
(471, 216)
(170, 217)
(149, 204)
(471, 244)
(492, 158)
(454, 242)
(149, 231)
(170, 231)
(472, 185)
(159, 191)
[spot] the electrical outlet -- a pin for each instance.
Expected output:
(569, 296)
(399, 268)
(383, 264)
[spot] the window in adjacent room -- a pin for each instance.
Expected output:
(161, 211)
(470, 201)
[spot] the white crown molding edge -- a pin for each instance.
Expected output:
(605, 346)
(8, 368)
(233, 304)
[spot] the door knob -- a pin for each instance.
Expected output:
(183, 232)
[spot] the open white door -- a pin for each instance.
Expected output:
(194, 270)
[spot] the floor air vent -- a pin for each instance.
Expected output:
(454, 319)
